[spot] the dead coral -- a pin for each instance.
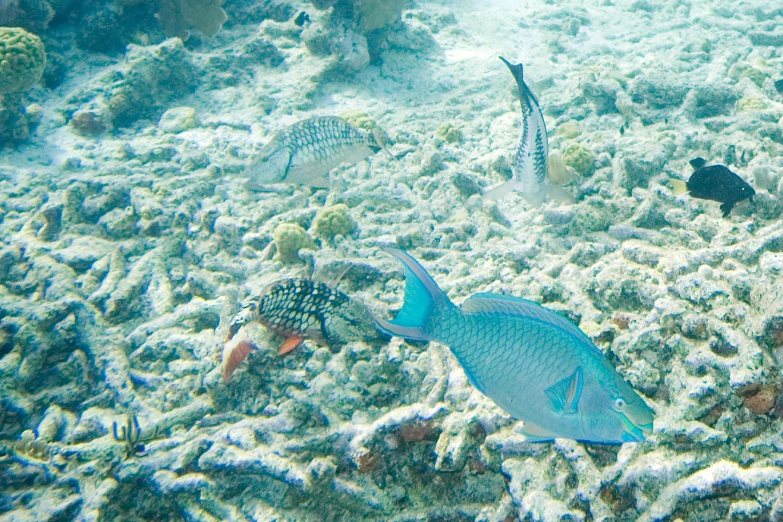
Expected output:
(131, 436)
(178, 17)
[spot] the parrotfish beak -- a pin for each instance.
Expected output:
(637, 424)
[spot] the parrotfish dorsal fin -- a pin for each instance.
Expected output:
(697, 163)
(565, 394)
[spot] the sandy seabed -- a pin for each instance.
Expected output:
(129, 241)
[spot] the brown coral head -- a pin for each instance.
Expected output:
(419, 431)
(366, 460)
(621, 320)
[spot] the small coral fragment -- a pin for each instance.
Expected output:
(448, 133)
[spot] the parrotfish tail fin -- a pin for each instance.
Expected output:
(422, 298)
(679, 187)
(726, 208)
(516, 69)
(697, 163)
(233, 355)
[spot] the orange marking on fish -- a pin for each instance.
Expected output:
(290, 345)
(236, 355)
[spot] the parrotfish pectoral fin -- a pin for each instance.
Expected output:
(697, 163)
(422, 296)
(679, 187)
(289, 345)
(726, 208)
(565, 394)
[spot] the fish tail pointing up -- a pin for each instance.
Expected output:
(422, 298)
(516, 70)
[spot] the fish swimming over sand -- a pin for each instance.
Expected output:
(530, 159)
(716, 183)
(305, 152)
(300, 309)
(534, 363)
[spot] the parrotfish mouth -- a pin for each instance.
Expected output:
(634, 432)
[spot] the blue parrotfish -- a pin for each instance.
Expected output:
(533, 363)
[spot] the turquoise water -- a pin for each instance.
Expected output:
(130, 241)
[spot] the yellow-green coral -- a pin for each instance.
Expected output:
(366, 122)
(22, 59)
(751, 104)
(289, 239)
(332, 221)
(579, 158)
(755, 75)
(568, 130)
(448, 133)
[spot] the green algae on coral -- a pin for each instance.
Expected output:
(751, 104)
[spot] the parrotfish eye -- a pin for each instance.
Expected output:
(619, 405)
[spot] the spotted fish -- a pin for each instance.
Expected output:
(300, 309)
(534, 363)
(305, 152)
(530, 159)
